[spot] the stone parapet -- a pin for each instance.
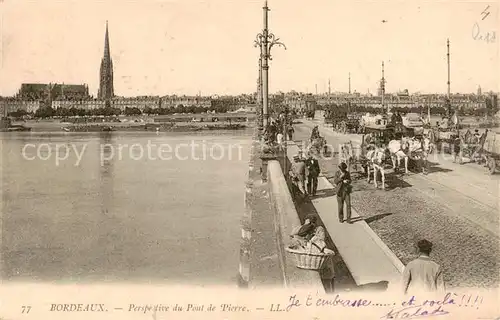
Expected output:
(286, 219)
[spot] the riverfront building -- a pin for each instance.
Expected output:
(52, 91)
(398, 100)
(12, 105)
(173, 101)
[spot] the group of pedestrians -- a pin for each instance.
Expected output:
(275, 132)
(305, 171)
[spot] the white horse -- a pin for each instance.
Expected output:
(398, 151)
(376, 159)
(427, 148)
(415, 151)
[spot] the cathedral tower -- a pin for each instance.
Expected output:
(106, 91)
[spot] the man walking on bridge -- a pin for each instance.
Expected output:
(312, 176)
(343, 181)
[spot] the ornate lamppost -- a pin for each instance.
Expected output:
(266, 41)
(259, 110)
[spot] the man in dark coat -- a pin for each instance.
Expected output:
(313, 170)
(399, 118)
(315, 133)
(343, 181)
(394, 118)
(290, 132)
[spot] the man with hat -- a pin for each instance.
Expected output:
(477, 136)
(313, 171)
(343, 181)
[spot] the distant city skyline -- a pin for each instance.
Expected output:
(192, 47)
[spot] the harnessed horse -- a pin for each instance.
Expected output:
(376, 159)
(427, 147)
(397, 150)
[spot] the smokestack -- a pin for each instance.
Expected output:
(448, 58)
(349, 83)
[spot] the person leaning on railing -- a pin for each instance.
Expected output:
(302, 234)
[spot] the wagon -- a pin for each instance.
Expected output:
(468, 146)
(380, 133)
(445, 141)
(491, 150)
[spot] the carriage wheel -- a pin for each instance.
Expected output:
(492, 165)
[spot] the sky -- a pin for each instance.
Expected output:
(190, 47)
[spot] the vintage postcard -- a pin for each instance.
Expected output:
(218, 159)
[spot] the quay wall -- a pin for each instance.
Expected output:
(286, 219)
(270, 215)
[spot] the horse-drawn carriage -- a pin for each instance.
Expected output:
(468, 146)
(482, 150)
(385, 133)
(445, 136)
(384, 146)
(491, 150)
(317, 144)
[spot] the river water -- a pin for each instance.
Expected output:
(166, 208)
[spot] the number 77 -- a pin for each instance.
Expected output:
(26, 309)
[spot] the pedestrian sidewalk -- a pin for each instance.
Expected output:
(368, 259)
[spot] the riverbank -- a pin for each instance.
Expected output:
(58, 126)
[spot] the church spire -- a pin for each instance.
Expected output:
(106, 44)
(106, 91)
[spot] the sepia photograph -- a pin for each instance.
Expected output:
(345, 154)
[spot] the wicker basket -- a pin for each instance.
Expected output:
(309, 260)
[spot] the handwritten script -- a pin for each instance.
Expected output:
(480, 35)
(427, 308)
(407, 308)
(485, 13)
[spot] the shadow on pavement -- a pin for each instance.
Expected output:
(324, 194)
(377, 217)
(392, 181)
(434, 167)
(370, 219)
(395, 181)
